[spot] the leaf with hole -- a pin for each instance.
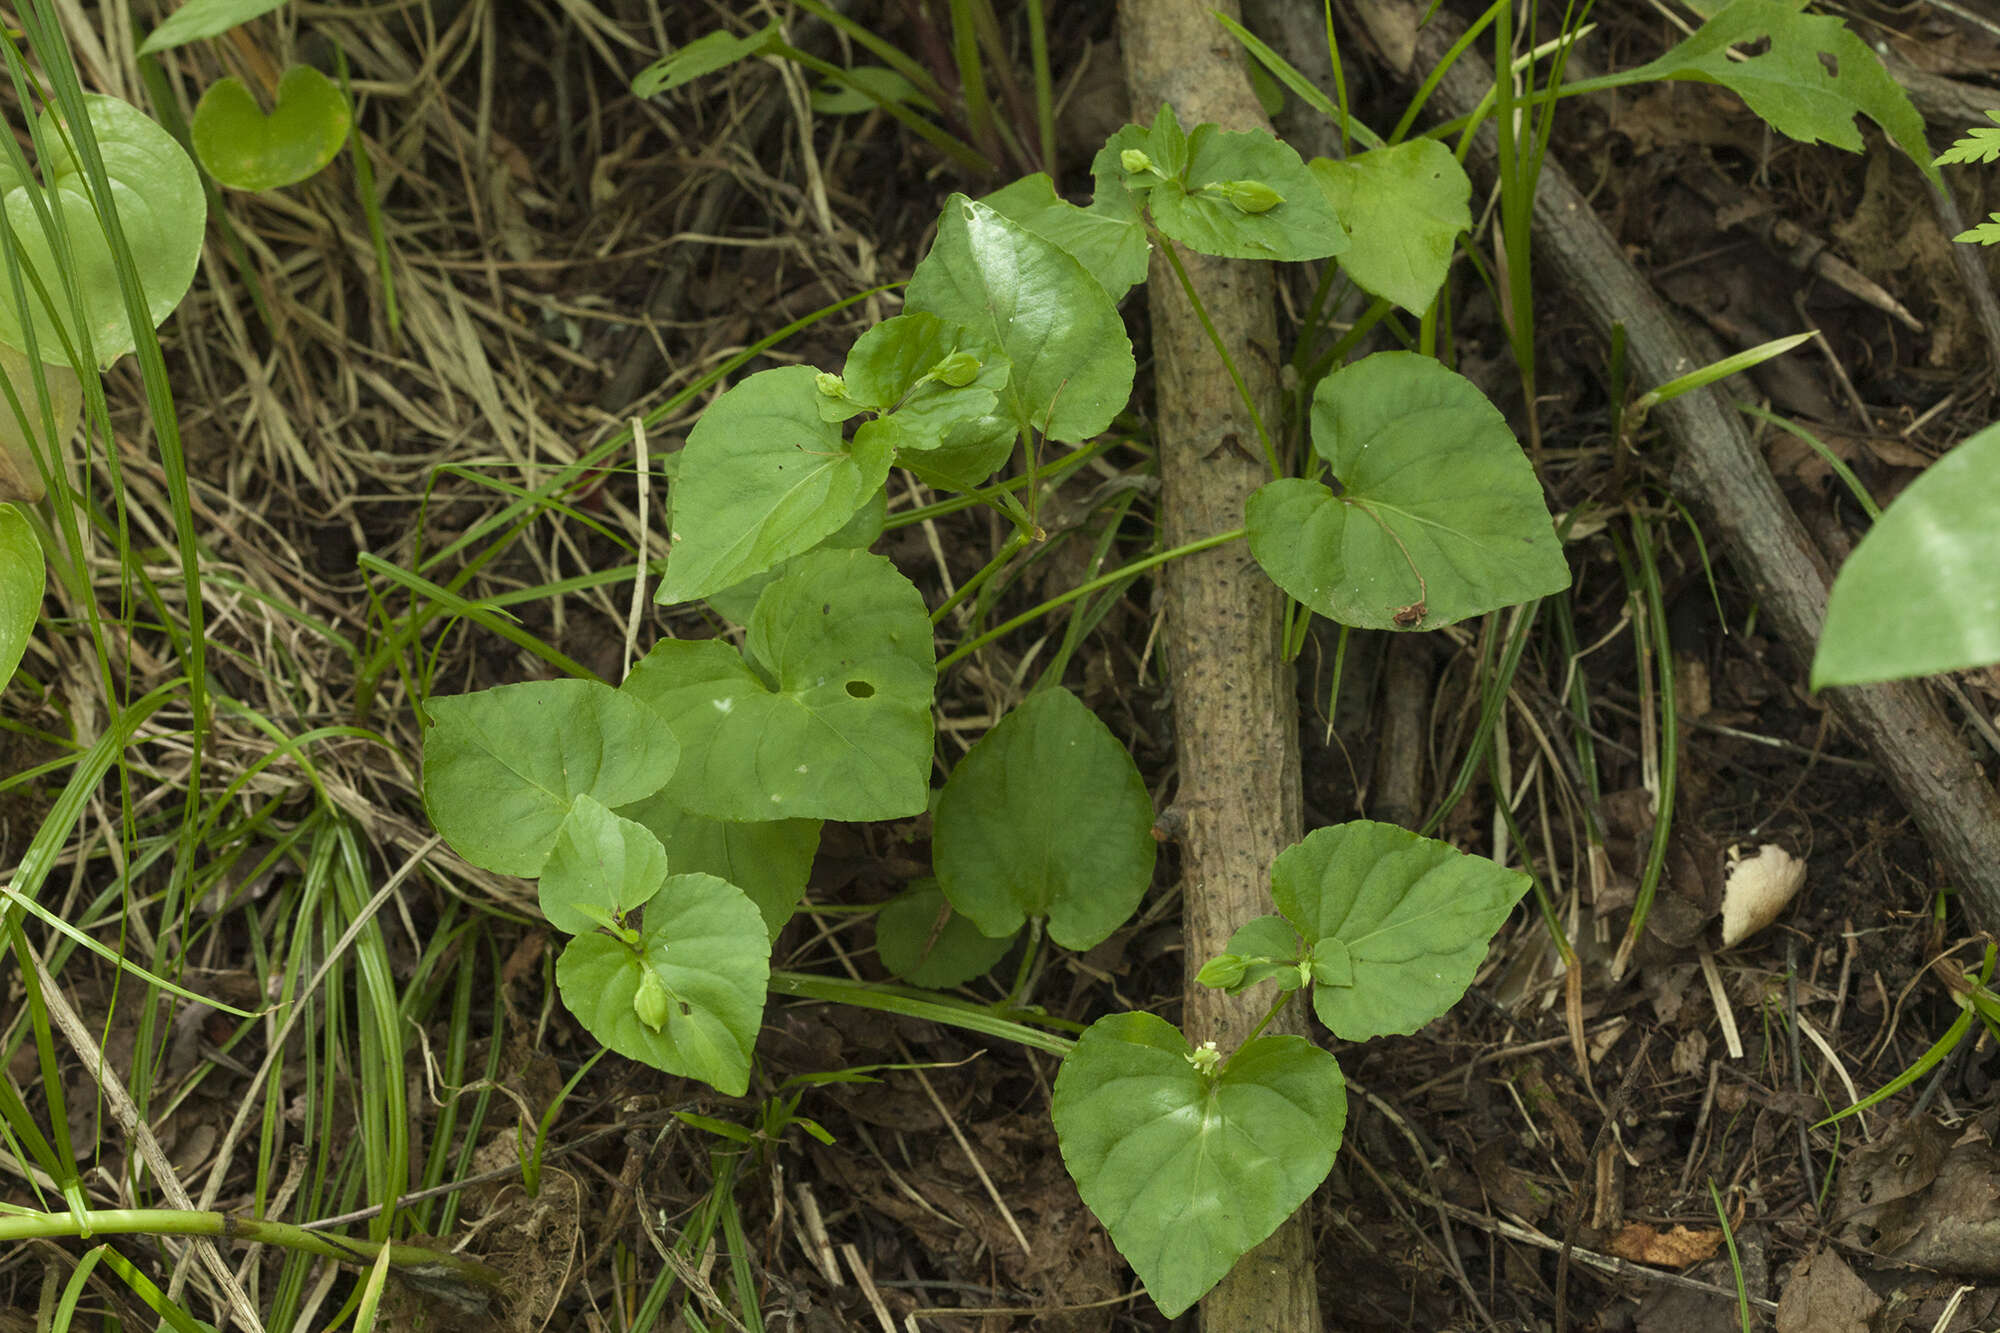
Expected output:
(1046, 816)
(704, 55)
(1397, 924)
(1438, 515)
(1919, 594)
(827, 715)
(1071, 361)
(21, 581)
(246, 149)
(770, 861)
(704, 948)
(1190, 1172)
(198, 19)
(1240, 195)
(502, 767)
(161, 210)
(764, 478)
(1108, 238)
(922, 940)
(1404, 206)
(601, 867)
(1810, 81)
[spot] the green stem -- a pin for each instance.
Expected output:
(972, 646)
(1263, 1022)
(1228, 362)
(930, 1005)
(415, 1260)
(1008, 549)
(1016, 994)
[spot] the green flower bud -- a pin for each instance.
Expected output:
(958, 370)
(830, 385)
(651, 1001)
(1205, 1059)
(1135, 161)
(1222, 972)
(1251, 196)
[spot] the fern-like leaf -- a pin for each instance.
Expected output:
(1979, 145)
(1986, 233)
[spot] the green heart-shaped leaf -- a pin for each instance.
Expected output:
(248, 150)
(602, 866)
(709, 960)
(922, 940)
(843, 731)
(21, 582)
(763, 478)
(1071, 361)
(1239, 195)
(1404, 206)
(1108, 238)
(1189, 1172)
(1046, 815)
(1919, 595)
(161, 211)
(1397, 924)
(770, 861)
(1438, 516)
(503, 766)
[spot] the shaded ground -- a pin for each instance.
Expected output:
(564, 258)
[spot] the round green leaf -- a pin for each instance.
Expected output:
(161, 210)
(503, 766)
(1405, 920)
(1238, 195)
(1404, 205)
(770, 861)
(1046, 816)
(763, 478)
(923, 941)
(1919, 594)
(704, 944)
(21, 581)
(248, 150)
(601, 867)
(1438, 516)
(1190, 1173)
(1072, 363)
(843, 731)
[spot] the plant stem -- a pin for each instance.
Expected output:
(1173, 255)
(414, 1259)
(1008, 549)
(1084, 589)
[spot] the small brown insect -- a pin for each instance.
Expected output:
(1406, 616)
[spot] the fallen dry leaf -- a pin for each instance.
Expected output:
(1824, 1296)
(1674, 1248)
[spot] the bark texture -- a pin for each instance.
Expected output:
(1721, 472)
(1235, 717)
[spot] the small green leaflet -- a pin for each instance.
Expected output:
(1810, 83)
(1265, 948)
(1980, 144)
(503, 766)
(1238, 195)
(703, 55)
(762, 478)
(1404, 207)
(601, 867)
(21, 580)
(843, 728)
(866, 88)
(1439, 516)
(1919, 594)
(1046, 815)
(1189, 1172)
(770, 861)
(247, 150)
(1396, 924)
(1072, 363)
(920, 939)
(1108, 238)
(203, 18)
(704, 948)
(161, 209)
(904, 367)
